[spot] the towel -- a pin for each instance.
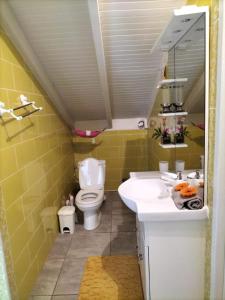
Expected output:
(195, 203)
(192, 203)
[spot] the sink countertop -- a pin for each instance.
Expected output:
(154, 174)
(145, 201)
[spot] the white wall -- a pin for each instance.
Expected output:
(126, 124)
(117, 124)
(91, 124)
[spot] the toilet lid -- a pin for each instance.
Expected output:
(91, 174)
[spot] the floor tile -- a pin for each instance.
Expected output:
(70, 277)
(123, 222)
(86, 244)
(114, 195)
(106, 207)
(105, 225)
(123, 243)
(109, 194)
(63, 270)
(61, 246)
(118, 207)
(48, 277)
(65, 297)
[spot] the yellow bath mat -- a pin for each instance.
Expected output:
(111, 278)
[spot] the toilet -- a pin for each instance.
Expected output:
(89, 199)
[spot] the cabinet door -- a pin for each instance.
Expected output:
(144, 265)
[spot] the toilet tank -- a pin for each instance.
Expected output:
(91, 174)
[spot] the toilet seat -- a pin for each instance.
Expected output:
(89, 198)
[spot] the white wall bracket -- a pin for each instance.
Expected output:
(4, 110)
(25, 102)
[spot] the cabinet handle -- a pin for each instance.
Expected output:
(140, 256)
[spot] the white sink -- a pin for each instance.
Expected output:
(151, 200)
(135, 191)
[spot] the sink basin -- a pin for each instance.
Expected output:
(150, 199)
(135, 191)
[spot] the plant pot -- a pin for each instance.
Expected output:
(166, 139)
(178, 139)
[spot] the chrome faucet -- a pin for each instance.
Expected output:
(179, 175)
(171, 178)
(197, 174)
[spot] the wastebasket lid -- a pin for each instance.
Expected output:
(66, 210)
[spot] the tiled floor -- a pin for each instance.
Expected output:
(62, 272)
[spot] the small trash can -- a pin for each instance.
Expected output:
(67, 219)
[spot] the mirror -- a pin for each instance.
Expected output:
(189, 63)
(184, 84)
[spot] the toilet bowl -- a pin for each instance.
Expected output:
(89, 199)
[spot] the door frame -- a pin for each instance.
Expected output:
(217, 280)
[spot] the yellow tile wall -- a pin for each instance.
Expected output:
(123, 150)
(36, 170)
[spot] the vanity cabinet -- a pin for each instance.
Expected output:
(172, 259)
(143, 259)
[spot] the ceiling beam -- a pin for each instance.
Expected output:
(100, 55)
(11, 27)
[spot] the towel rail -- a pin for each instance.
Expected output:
(25, 103)
(21, 106)
(29, 113)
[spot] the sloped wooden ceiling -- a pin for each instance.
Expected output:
(62, 35)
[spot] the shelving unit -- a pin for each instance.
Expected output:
(184, 113)
(170, 146)
(171, 83)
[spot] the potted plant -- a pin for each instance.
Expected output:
(181, 132)
(163, 134)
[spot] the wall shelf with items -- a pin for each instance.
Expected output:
(171, 83)
(173, 114)
(170, 146)
(179, 136)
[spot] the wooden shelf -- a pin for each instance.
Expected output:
(171, 83)
(184, 113)
(170, 146)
